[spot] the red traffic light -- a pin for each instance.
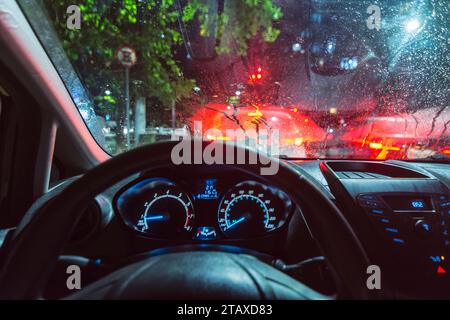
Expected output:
(256, 75)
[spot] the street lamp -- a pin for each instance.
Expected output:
(412, 25)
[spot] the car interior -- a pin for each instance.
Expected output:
(83, 187)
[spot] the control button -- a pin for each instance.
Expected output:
(446, 243)
(378, 212)
(423, 227)
(383, 221)
(368, 197)
(369, 200)
(392, 230)
(398, 240)
(445, 204)
(437, 259)
(370, 204)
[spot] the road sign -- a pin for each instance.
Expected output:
(127, 56)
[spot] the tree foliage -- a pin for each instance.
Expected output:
(151, 27)
(241, 19)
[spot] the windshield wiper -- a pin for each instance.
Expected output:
(433, 158)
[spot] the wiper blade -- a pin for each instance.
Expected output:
(433, 158)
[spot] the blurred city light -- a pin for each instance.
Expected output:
(412, 25)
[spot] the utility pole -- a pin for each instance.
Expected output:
(127, 57)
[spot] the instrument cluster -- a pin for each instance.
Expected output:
(205, 209)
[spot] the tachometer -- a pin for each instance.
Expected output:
(157, 207)
(251, 208)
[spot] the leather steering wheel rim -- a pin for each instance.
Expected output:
(36, 245)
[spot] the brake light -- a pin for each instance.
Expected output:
(218, 138)
(255, 76)
(256, 113)
(379, 146)
(298, 141)
(375, 145)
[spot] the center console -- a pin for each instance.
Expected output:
(402, 217)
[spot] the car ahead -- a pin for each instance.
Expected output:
(297, 132)
(121, 178)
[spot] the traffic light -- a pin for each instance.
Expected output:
(256, 76)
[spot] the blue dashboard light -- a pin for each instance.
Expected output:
(236, 222)
(417, 204)
(435, 258)
(208, 190)
(160, 217)
(398, 240)
(205, 233)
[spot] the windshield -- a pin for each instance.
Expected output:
(318, 78)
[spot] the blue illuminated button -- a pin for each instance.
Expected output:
(378, 212)
(392, 230)
(445, 207)
(445, 204)
(436, 259)
(398, 240)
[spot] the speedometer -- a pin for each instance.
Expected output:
(251, 208)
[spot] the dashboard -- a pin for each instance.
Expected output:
(202, 208)
(400, 212)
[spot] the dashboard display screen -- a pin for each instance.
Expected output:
(207, 189)
(409, 203)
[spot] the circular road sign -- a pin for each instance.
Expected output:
(127, 56)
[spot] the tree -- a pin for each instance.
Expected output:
(152, 28)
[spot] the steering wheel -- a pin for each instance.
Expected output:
(37, 244)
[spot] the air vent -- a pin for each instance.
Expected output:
(359, 175)
(372, 170)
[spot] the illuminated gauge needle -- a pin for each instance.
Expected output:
(160, 217)
(236, 222)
